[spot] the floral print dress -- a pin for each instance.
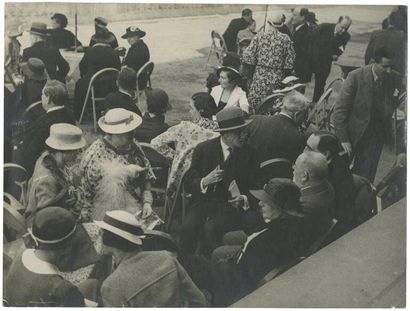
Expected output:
(272, 53)
(186, 135)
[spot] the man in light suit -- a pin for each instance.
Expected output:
(363, 112)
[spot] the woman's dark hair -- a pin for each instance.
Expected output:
(113, 240)
(205, 104)
(328, 142)
(382, 52)
(127, 78)
(233, 77)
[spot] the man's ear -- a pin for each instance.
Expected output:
(328, 156)
(305, 177)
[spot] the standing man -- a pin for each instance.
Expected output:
(56, 65)
(301, 40)
(363, 112)
(328, 43)
(234, 27)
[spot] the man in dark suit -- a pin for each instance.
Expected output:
(124, 97)
(54, 99)
(279, 136)
(98, 57)
(328, 43)
(302, 41)
(393, 38)
(363, 112)
(138, 53)
(218, 204)
(317, 194)
(234, 27)
(56, 65)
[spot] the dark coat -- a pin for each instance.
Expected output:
(150, 128)
(56, 65)
(62, 38)
(241, 166)
(137, 55)
(285, 29)
(34, 140)
(32, 91)
(107, 37)
(302, 41)
(394, 40)
(353, 108)
(325, 44)
(121, 100)
(98, 57)
(231, 33)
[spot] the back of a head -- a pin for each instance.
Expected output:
(294, 101)
(157, 101)
(395, 19)
(127, 79)
(205, 104)
(246, 12)
(284, 191)
(344, 18)
(328, 142)
(382, 52)
(315, 164)
(57, 91)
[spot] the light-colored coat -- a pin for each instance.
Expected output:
(238, 97)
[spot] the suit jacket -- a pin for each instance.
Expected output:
(62, 38)
(394, 40)
(137, 55)
(150, 128)
(166, 285)
(302, 42)
(56, 65)
(121, 100)
(241, 166)
(353, 108)
(238, 97)
(34, 140)
(231, 33)
(98, 57)
(325, 44)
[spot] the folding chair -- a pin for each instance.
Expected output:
(271, 104)
(144, 78)
(91, 92)
(218, 47)
(15, 181)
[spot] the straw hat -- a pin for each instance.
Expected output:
(231, 118)
(276, 20)
(64, 136)
(119, 121)
(123, 224)
(14, 29)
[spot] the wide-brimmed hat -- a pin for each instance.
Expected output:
(275, 191)
(276, 20)
(231, 118)
(231, 69)
(55, 228)
(61, 18)
(35, 69)
(100, 22)
(123, 224)
(64, 136)
(133, 31)
(14, 29)
(157, 100)
(39, 29)
(119, 121)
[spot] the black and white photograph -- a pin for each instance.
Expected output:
(190, 155)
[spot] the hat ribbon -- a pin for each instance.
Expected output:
(231, 122)
(37, 239)
(123, 226)
(126, 121)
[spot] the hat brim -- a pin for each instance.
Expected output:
(236, 72)
(261, 195)
(275, 25)
(14, 33)
(120, 128)
(136, 239)
(140, 34)
(226, 129)
(289, 88)
(57, 145)
(44, 34)
(32, 75)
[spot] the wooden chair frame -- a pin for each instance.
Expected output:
(218, 48)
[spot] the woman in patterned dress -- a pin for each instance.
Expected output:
(273, 55)
(186, 135)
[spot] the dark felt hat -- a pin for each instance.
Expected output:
(231, 118)
(133, 31)
(39, 29)
(34, 69)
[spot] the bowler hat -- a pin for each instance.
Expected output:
(276, 192)
(61, 18)
(39, 29)
(100, 22)
(119, 121)
(64, 136)
(55, 228)
(133, 31)
(122, 224)
(157, 100)
(231, 118)
(35, 69)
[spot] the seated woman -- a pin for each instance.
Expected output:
(36, 277)
(229, 93)
(50, 184)
(115, 172)
(186, 135)
(102, 34)
(60, 37)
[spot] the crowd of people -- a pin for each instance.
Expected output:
(263, 190)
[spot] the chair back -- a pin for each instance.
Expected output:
(364, 200)
(157, 241)
(13, 221)
(319, 243)
(271, 104)
(275, 168)
(218, 47)
(159, 163)
(144, 76)
(15, 181)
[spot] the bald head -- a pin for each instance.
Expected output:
(310, 168)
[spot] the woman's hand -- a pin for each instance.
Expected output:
(146, 210)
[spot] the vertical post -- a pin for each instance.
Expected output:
(266, 16)
(75, 25)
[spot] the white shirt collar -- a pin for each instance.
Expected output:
(55, 108)
(125, 92)
(36, 265)
(225, 149)
(286, 115)
(298, 27)
(375, 77)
